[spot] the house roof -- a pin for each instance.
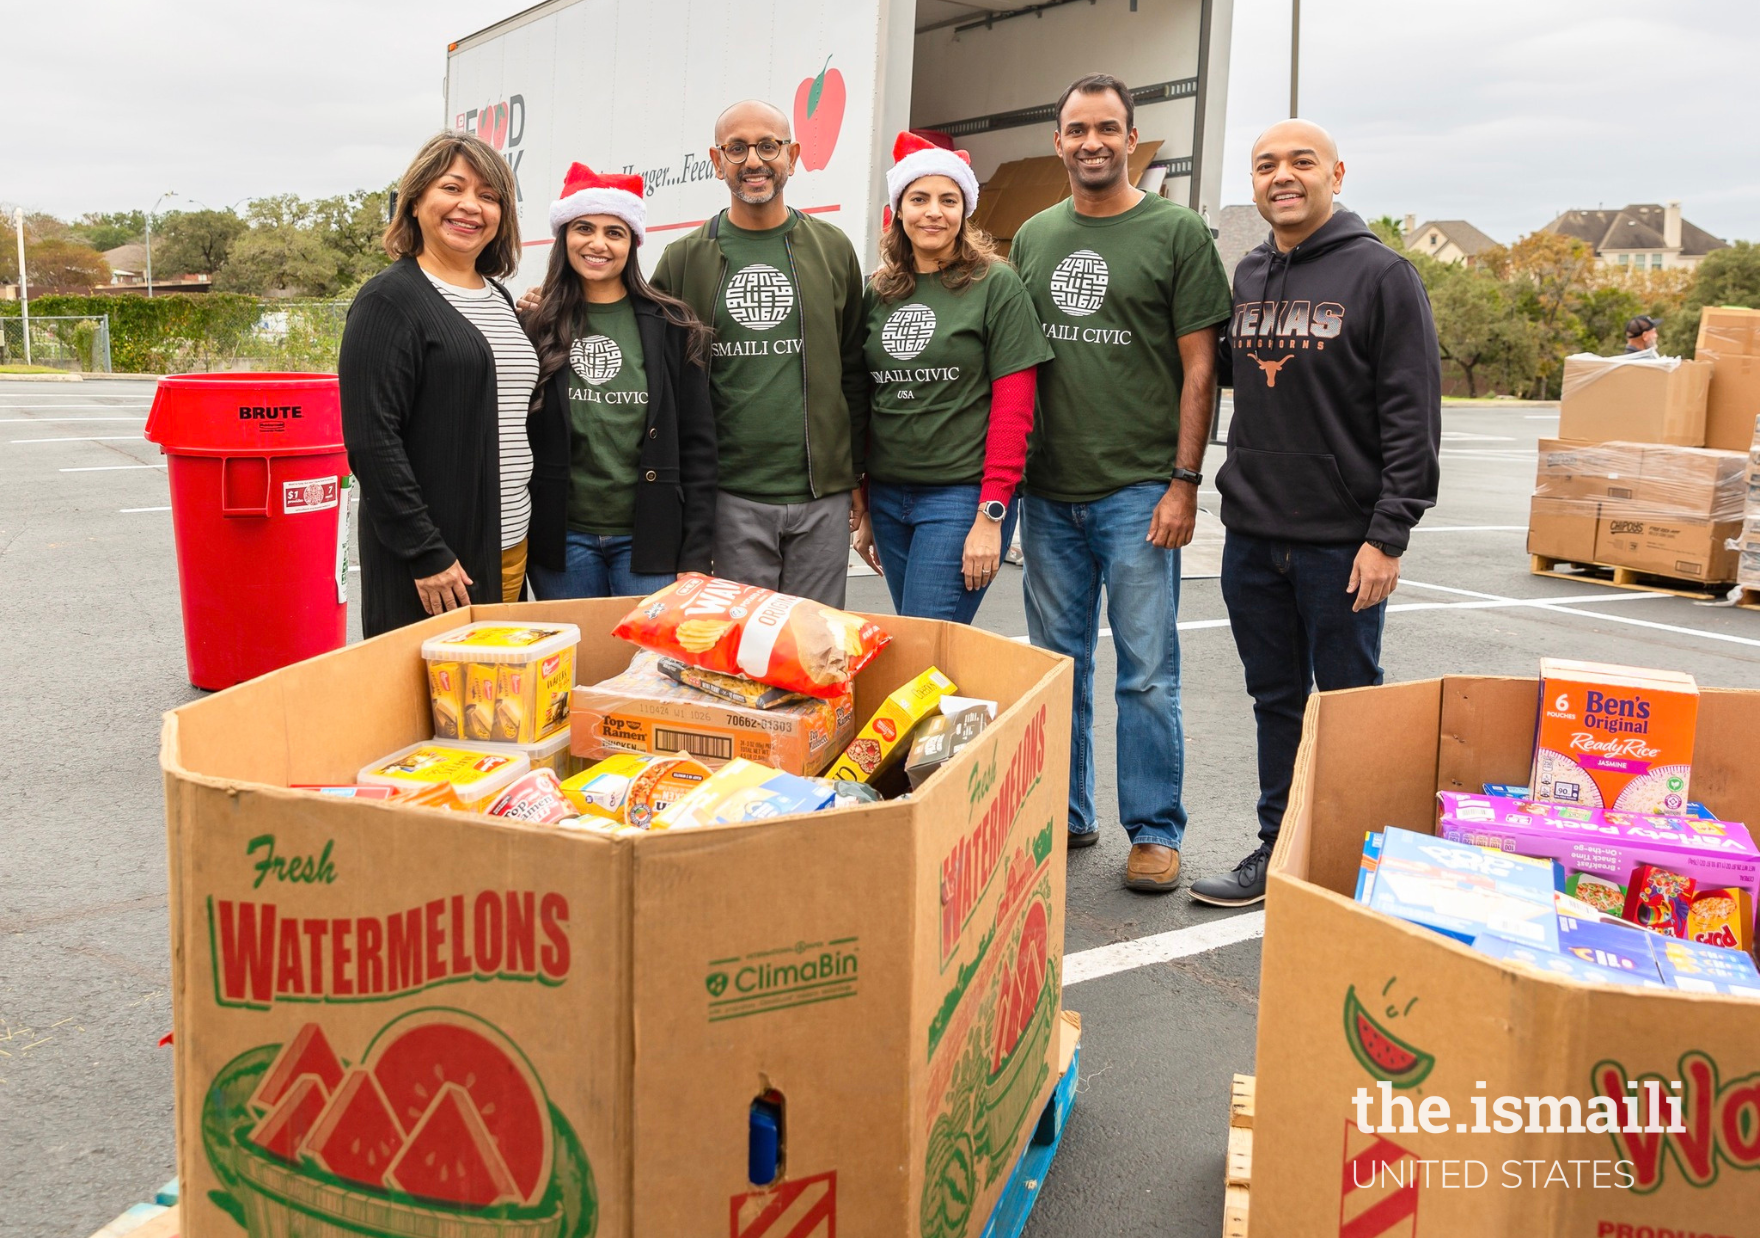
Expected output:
(127, 257)
(1638, 226)
(1240, 229)
(1468, 239)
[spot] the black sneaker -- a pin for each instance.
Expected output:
(1083, 838)
(1241, 888)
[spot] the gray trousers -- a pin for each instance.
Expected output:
(798, 548)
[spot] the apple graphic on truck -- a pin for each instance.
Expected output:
(818, 116)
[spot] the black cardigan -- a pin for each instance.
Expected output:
(419, 420)
(675, 473)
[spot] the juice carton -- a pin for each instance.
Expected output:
(1464, 891)
(1614, 737)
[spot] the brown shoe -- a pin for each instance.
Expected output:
(1152, 868)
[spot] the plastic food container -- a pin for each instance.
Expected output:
(475, 776)
(501, 682)
(551, 753)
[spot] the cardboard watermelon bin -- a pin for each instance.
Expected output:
(1350, 999)
(403, 1021)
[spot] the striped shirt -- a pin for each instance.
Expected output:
(516, 374)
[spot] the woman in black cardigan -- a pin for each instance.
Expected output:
(434, 369)
(622, 434)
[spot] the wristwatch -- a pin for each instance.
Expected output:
(1197, 479)
(1390, 551)
(995, 510)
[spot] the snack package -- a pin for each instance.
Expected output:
(774, 638)
(877, 743)
(349, 791)
(1569, 966)
(1509, 791)
(1657, 899)
(939, 738)
(1698, 968)
(1464, 891)
(1622, 947)
(1614, 737)
(535, 796)
(735, 689)
(741, 791)
(473, 776)
(501, 682)
(1722, 918)
(1599, 892)
(642, 710)
(632, 789)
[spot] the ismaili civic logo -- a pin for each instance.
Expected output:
(908, 332)
(1078, 285)
(759, 297)
(596, 358)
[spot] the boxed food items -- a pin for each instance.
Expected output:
(1722, 918)
(642, 710)
(742, 791)
(353, 791)
(1729, 338)
(1614, 736)
(1569, 966)
(1700, 968)
(889, 729)
(773, 638)
(534, 796)
(1587, 471)
(503, 682)
(1563, 528)
(474, 776)
(1633, 399)
(1690, 547)
(1608, 944)
(736, 689)
(1657, 899)
(940, 737)
(632, 788)
(1464, 891)
(1510, 791)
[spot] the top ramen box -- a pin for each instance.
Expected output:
(370, 996)
(1614, 737)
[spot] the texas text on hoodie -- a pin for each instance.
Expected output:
(1337, 392)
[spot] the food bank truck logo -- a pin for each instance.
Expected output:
(1078, 285)
(759, 297)
(503, 126)
(596, 358)
(908, 332)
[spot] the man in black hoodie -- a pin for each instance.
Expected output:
(1332, 456)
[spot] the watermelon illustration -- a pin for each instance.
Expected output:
(950, 1181)
(1379, 1051)
(308, 1053)
(356, 1137)
(416, 1056)
(451, 1157)
(1022, 986)
(282, 1131)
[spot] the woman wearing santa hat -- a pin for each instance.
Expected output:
(622, 434)
(953, 345)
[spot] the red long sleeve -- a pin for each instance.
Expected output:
(1005, 446)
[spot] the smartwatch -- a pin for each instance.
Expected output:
(1197, 479)
(994, 510)
(1390, 551)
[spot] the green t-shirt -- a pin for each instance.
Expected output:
(607, 413)
(932, 357)
(1115, 294)
(755, 379)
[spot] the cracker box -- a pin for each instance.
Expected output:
(1614, 737)
(501, 682)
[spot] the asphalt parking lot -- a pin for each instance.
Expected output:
(90, 608)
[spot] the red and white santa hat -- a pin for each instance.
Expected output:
(915, 157)
(585, 192)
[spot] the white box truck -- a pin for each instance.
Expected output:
(636, 85)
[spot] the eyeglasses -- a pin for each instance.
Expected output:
(737, 151)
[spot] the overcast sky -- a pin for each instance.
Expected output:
(1501, 112)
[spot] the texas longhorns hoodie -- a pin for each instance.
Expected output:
(1337, 392)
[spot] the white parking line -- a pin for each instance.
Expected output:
(1161, 947)
(107, 438)
(1554, 604)
(1540, 416)
(111, 468)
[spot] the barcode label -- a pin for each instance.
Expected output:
(715, 747)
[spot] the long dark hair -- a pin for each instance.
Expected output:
(561, 316)
(974, 253)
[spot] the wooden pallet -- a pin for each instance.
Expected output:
(1009, 1218)
(1630, 578)
(1750, 599)
(1238, 1172)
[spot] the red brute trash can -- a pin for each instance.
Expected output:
(259, 501)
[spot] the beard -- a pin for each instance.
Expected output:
(760, 196)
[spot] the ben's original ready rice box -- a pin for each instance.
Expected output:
(642, 710)
(1614, 737)
(501, 682)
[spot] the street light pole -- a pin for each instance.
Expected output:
(1295, 53)
(24, 284)
(169, 193)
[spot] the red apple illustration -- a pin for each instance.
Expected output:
(818, 116)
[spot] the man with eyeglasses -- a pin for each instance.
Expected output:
(783, 291)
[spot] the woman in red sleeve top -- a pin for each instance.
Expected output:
(953, 345)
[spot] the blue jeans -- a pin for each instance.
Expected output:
(1294, 628)
(1072, 551)
(596, 566)
(920, 532)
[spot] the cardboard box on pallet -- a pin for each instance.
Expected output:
(1350, 999)
(1729, 338)
(1633, 400)
(1563, 528)
(1688, 547)
(890, 975)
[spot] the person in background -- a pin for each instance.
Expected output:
(952, 348)
(436, 382)
(1332, 456)
(1131, 291)
(1641, 333)
(622, 435)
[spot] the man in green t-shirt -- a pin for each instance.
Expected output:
(1131, 293)
(783, 291)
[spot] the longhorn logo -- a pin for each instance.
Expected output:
(1271, 367)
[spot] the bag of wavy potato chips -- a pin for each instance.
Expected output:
(773, 638)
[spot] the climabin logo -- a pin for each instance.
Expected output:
(759, 297)
(1078, 285)
(908, 332)
(596, 358)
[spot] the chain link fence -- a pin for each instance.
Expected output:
(79, 344)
